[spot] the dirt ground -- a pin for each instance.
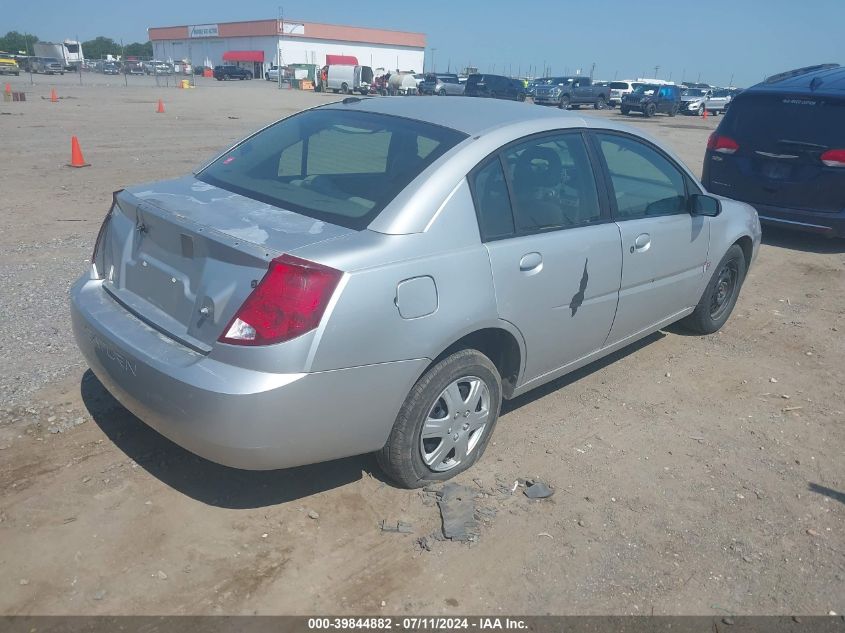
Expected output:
(693, 475)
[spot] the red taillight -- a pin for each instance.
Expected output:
(722, 144)
(288, 301)
(834, 158)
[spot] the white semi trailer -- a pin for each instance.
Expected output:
(69, 52)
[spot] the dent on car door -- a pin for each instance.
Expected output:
(554, 253)
(664, 247)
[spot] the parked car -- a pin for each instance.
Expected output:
(231, 72)
(495, 86)
(565, 92)
(155, 67)
(272, 73)
(442, 84)
(349, 79)
(694, 100)
(111, 68)
(618, 90)
(133, 68)
(781, 148)
(719, 101)
(287, 305)
(651, 99)
(9, 65)
(47, 66)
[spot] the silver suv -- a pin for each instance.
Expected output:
(378, 274)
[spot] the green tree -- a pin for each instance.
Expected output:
(14, 42)
(99, 47)
(137, 49)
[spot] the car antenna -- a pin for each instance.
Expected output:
(349, 100)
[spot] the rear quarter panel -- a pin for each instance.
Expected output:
(366, 327)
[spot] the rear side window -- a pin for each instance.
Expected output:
(644, 182)
(773, 120)
(492, 202)
(340, 166)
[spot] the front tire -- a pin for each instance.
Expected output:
(720, 296)
(600, 104)
(445, 422)
(624, 110)
(563, 104)
(650, 110)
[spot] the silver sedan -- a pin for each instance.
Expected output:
(376, 275)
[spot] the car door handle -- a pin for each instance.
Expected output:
(642, 243)
(531, 262)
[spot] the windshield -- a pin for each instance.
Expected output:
(619, 85)
(645, 90)
(693, 92)
(340, 166)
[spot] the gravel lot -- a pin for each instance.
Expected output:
(692, 475)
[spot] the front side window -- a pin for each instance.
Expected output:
(340, 166)
(552, 183)
(644, 182)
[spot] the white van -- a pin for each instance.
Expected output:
(349, 79)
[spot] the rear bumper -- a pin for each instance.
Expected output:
(829, 224)
(228, 414)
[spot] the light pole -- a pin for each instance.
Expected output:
(433, 66)
(656, 68)
(279, 45)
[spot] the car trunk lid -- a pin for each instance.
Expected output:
(183, 255)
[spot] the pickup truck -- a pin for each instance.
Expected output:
(231, 72)
(566, 92)
(8, 65)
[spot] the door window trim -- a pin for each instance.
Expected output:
(602, 194)
(690, 184)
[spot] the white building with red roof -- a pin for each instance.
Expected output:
(258, 44)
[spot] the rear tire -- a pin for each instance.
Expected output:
(344, 89)
(720, 296)
(473, 377)
(600, 104)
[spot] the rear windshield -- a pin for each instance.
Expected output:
(768, 119)
(340, 166)
(619, 85)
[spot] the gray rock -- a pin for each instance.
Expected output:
(537, 490)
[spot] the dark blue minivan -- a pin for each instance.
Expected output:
(781, 148)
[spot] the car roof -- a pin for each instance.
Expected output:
(472, 116)
(825, 79)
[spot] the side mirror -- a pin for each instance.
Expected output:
(702, 204)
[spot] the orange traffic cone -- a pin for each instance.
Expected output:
(160, 108)
(54, 98)
(704, 114)
(76, 159)
(8, 89)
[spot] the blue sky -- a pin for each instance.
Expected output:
(713, 39)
